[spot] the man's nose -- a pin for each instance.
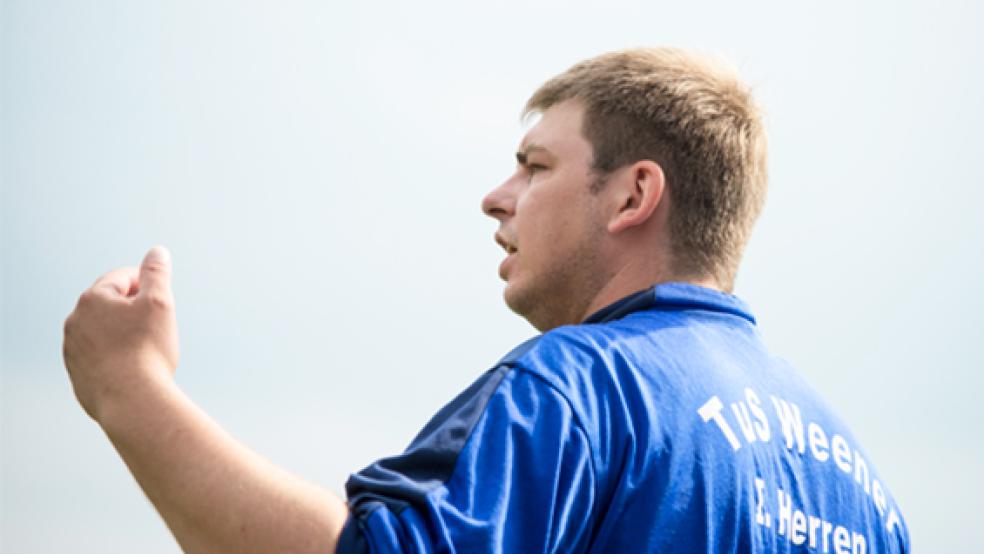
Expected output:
(500, 202)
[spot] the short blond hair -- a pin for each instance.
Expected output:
(692, 115)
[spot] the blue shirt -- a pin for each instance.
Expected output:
(661, 424)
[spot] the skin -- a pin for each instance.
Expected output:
(216, 495)
(572, 252)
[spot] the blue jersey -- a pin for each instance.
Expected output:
(661, 424)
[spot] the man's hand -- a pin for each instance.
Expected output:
(123, 337)
(216, 495)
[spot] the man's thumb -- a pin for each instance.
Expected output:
(155, 271)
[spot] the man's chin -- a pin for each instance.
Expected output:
(515, 299)
(525, 304)
(510, 297)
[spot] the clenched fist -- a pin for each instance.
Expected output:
(121, 341)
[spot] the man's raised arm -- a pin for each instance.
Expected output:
(216, 495)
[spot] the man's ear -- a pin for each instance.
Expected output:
(637, 196)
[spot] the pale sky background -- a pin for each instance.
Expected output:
(317, 170)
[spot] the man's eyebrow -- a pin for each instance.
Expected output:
(523, 155)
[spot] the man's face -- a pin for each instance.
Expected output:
(550, 223)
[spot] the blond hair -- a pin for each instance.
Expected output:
(694, 117)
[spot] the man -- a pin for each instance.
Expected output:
(648, 416)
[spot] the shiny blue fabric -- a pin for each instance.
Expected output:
(661, 424)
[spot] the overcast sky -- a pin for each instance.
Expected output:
(317, 170)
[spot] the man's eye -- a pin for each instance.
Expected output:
(532, 169)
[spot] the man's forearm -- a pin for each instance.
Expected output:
(215, 494)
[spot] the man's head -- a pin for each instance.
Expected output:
(665, 158)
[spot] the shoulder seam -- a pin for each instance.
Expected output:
(578, 423)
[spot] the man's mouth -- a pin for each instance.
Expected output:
(506, 245)
(510, 251)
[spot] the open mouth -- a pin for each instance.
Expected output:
(501, 241)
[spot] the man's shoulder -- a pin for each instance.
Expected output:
(569, 344)
(670, 356)
(653, 333)
(577, 359)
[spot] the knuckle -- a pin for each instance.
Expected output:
(92, 296)
(159, 301)
(87, 296)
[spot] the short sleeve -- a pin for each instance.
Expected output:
(505, 467)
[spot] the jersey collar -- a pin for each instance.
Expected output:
(666, 296)
(673, 296)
